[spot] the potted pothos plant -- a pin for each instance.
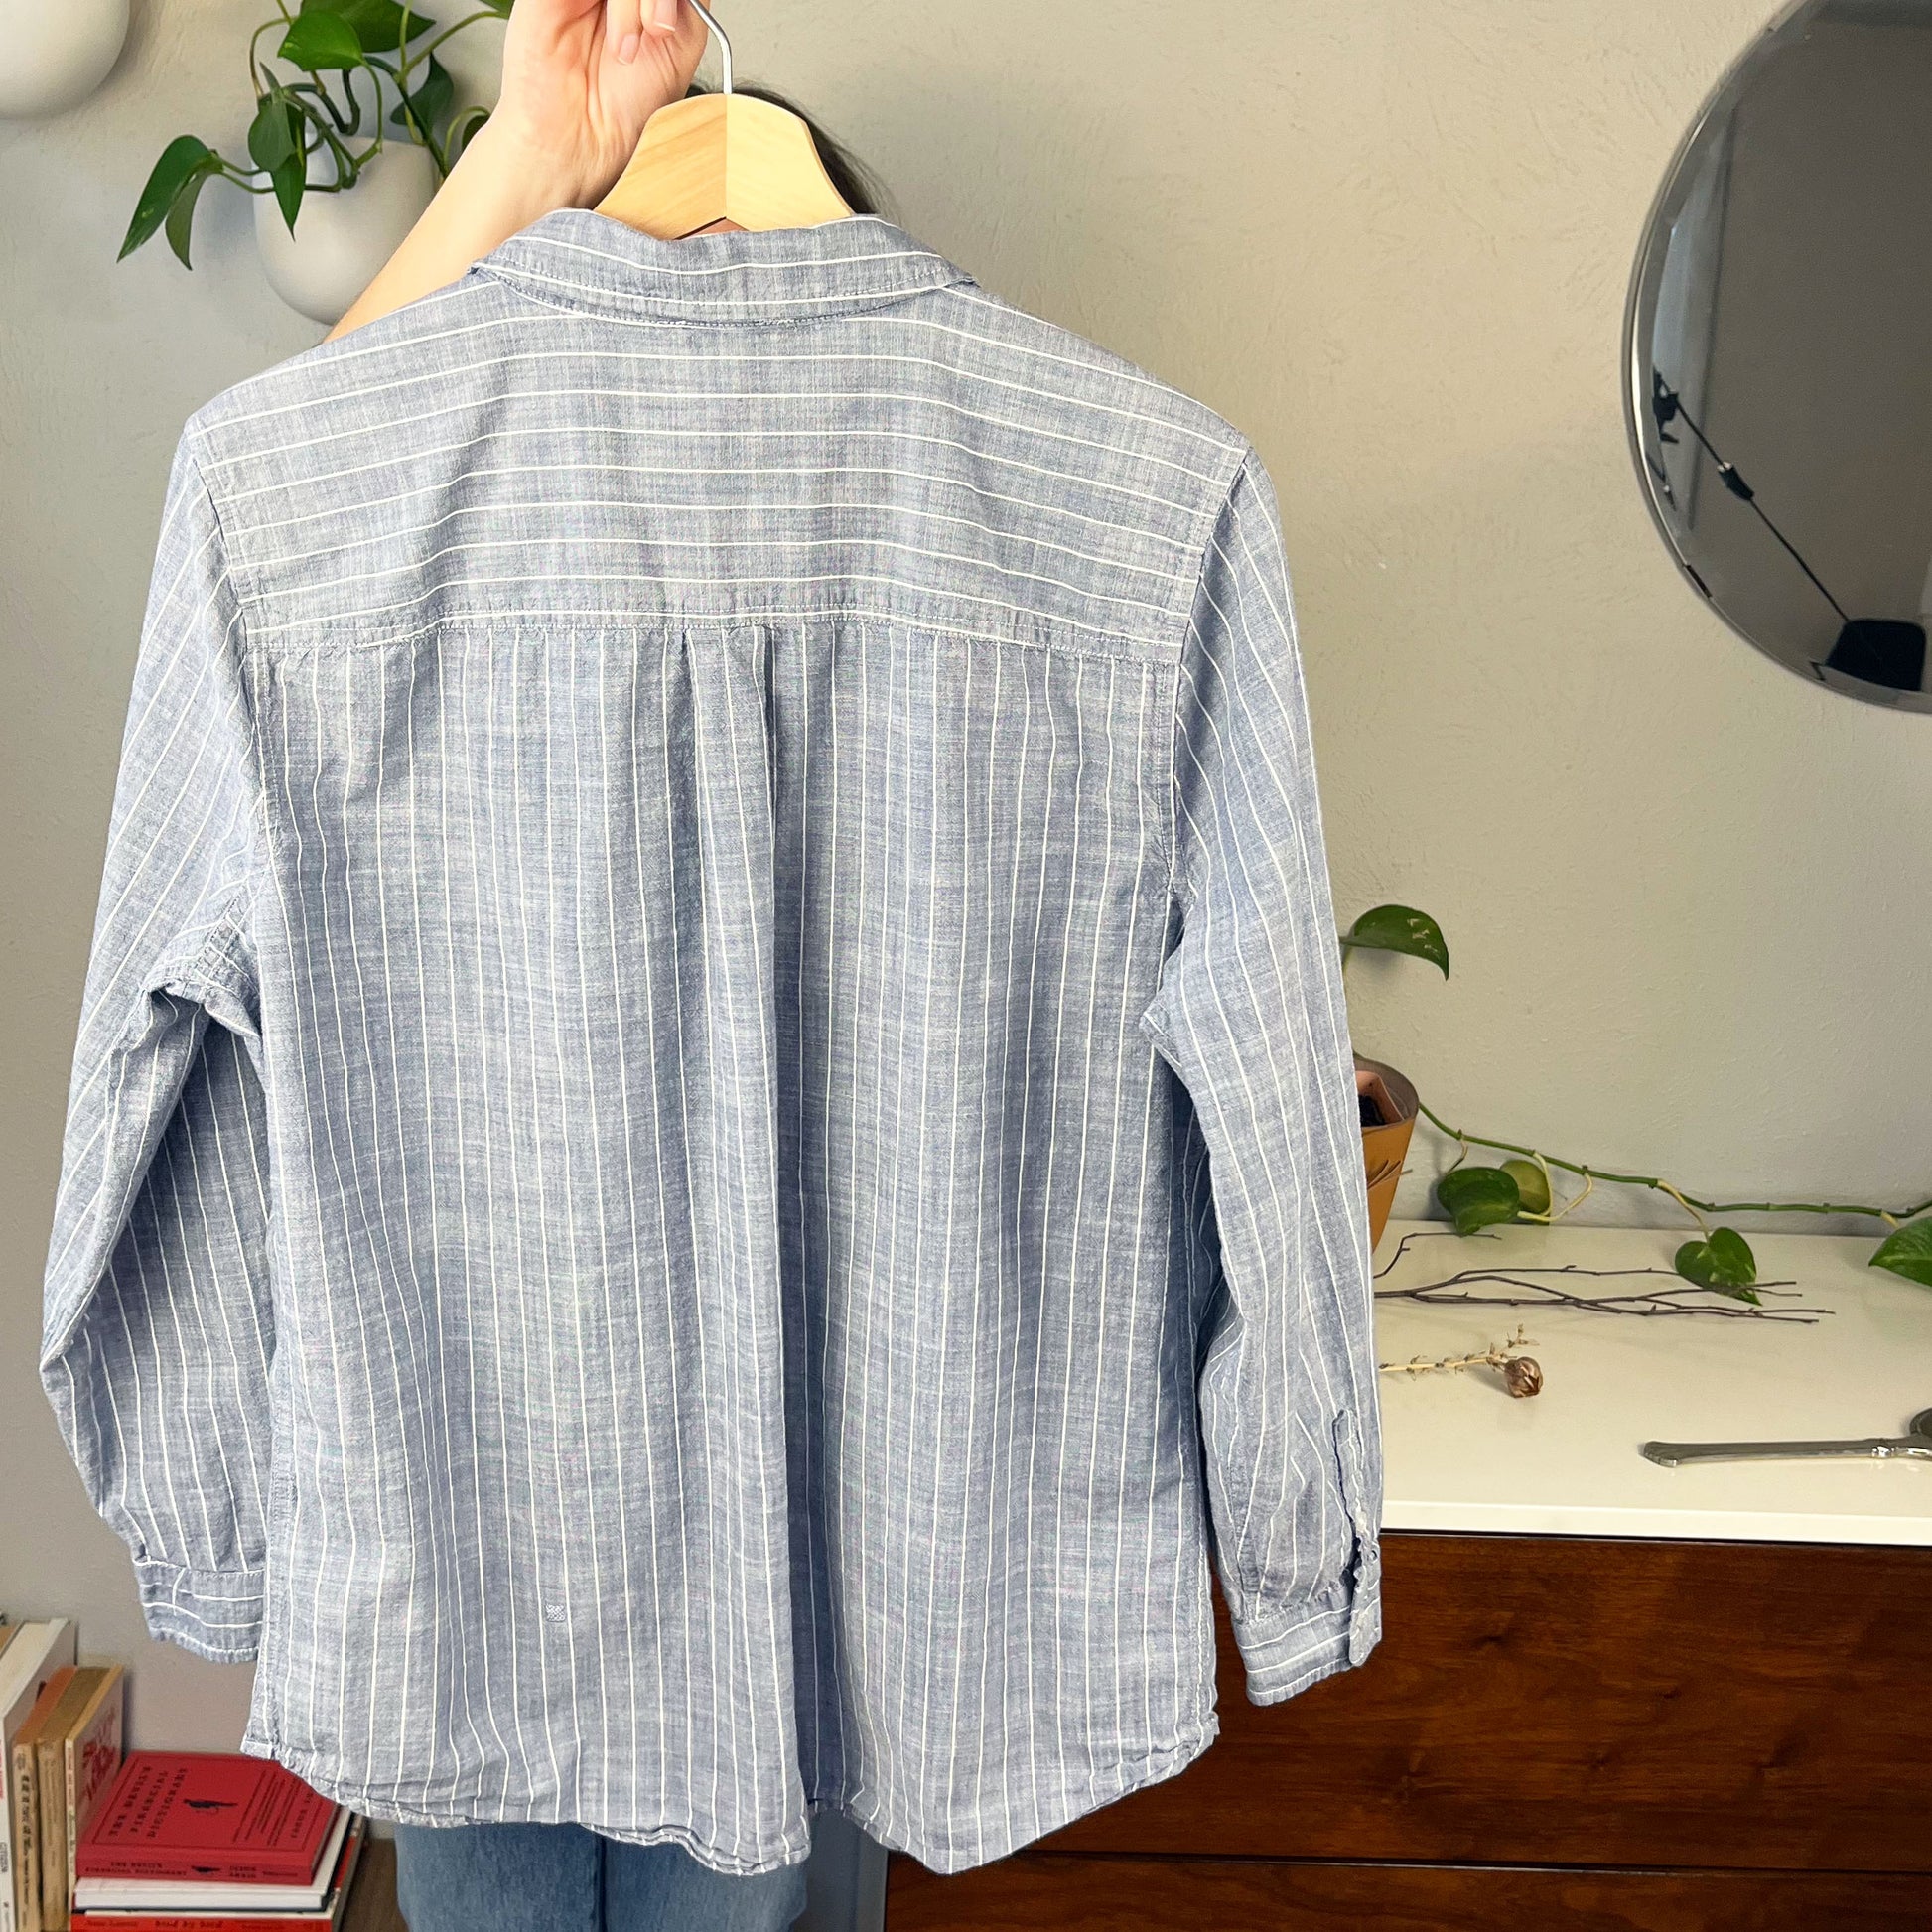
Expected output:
(1388, 1100)
(1478, 1195)
(348, 93)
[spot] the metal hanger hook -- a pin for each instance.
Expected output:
(718, 33)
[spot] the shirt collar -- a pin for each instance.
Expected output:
(579, 259)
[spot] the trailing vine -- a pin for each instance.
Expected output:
(1524, 1188)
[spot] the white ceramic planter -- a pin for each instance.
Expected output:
(54, 53)
(341, 241)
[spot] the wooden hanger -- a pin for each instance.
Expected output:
(723, 159)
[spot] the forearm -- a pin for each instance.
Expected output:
(497, 188)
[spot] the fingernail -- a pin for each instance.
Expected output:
(627, 47)
(664, 16)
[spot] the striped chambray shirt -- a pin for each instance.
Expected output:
(713, 1143)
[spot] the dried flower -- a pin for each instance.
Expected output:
(1523, 1375)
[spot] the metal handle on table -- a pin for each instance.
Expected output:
(1669, 1454)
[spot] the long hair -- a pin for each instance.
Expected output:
(858, 187)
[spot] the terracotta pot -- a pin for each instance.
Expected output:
(1385, 1146)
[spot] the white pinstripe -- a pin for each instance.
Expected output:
(581, 431)
(898, 433)
(480, 472)
(1220, 441)
(575, 505)
(472, 1475)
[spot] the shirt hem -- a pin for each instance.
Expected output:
(375, 1803)
(880, 1822)
(883, 1823)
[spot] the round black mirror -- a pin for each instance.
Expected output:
(1779, 385)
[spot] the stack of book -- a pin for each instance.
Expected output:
(30, 1653)
(214, 1842)
(61, 1733)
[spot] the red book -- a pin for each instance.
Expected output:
(211, 1815)
(327, 1917)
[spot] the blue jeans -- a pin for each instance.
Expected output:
(565, 1879)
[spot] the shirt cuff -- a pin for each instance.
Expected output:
(215, 1613)
(1287, 1650)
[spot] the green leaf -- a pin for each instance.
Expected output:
(500, 8)
(1400, 928)
(276, 131)
(378, 24)
(429, 103)
(1907, 1251)
(321, 39)
(180, 159)
(1532, 1184)
(180, 212)
(289, 178)
(1724, 1261)
(1478, 1197)
(285, 154)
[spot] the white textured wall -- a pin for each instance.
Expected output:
(1687, 897)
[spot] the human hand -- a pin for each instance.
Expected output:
(581, 78)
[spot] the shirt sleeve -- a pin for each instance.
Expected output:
(1249, 1014)
(158, 1330)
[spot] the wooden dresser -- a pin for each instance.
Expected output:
(1609, 1694)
